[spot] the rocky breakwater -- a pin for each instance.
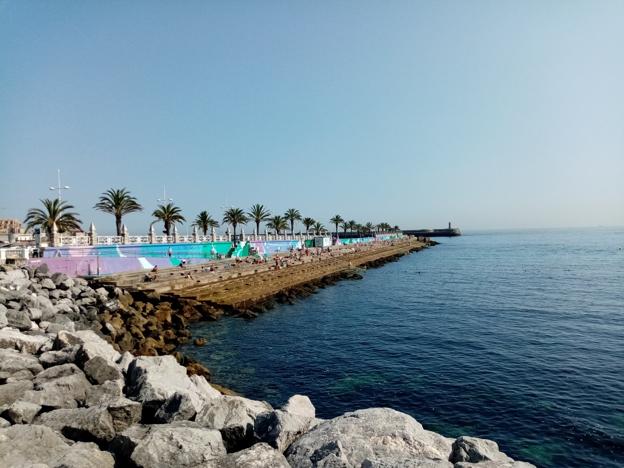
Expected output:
(69, 398)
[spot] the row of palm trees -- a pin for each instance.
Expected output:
(120, 202)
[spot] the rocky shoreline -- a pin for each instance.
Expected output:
(87, 380)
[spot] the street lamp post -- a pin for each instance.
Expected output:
(59, 187)
(164, 199)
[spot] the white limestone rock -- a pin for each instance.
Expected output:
(180, 446)
(300, 405)
(13, 391)
(257, 456)
(85, 455)
(28, 445)
(235, 417)
(99, 370)
(91, 343)
(370, 437)
(153, 379)
(3, 318)
(10, 338)
(93, 424)
(109, 391)
(12, 361)
(21, 412)
(473, 450)
(280, 429)
(63, 356)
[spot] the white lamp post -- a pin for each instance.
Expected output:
(59, 187)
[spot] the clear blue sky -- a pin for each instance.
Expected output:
(491, 114)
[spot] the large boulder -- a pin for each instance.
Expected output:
(18, 319)
(93, 424)
(300, 405)
(475, 450)
(58, 278)
(85, 455)
(126, 441)
(47, 283)
(62, 356)
(91, 345)
(14, 339)
(21, 412)
(3, 318)
(257, 456)
(152, 380)
(44, 304)
(63, 386)
(124, 413)
(13, 391)
(280, 429)
(26, 445)
(12, 361)
(235, 417)
(188, 445)
(178, 407)
(99, 370)
(370, 437)
(109, 391)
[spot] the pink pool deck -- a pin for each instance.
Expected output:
(95, 266)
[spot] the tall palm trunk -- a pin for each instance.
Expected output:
(257, 227)
(292, 228)
(118, 224)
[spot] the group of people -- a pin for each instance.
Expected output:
(279, 261)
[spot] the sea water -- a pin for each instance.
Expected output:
(516, 336)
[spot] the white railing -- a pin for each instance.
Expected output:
(109, 240)
(74, 240)
(162, 239)
(138, 239)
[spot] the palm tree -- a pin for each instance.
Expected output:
(308, 223)
(318, 228)
(345, 225)
(169, 214)
(258, 213)
(383, 227)
(352, 225)
(370, 227)
(204, 222)
(396, 229)
(292, 215)
(118, 202)
(55, 212)
(336, 220)
(278, 223)
(234, 216)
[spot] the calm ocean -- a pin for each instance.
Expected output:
(516, 336)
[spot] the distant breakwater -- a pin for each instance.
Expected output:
(149, 323)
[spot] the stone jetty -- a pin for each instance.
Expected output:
(72, 395)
